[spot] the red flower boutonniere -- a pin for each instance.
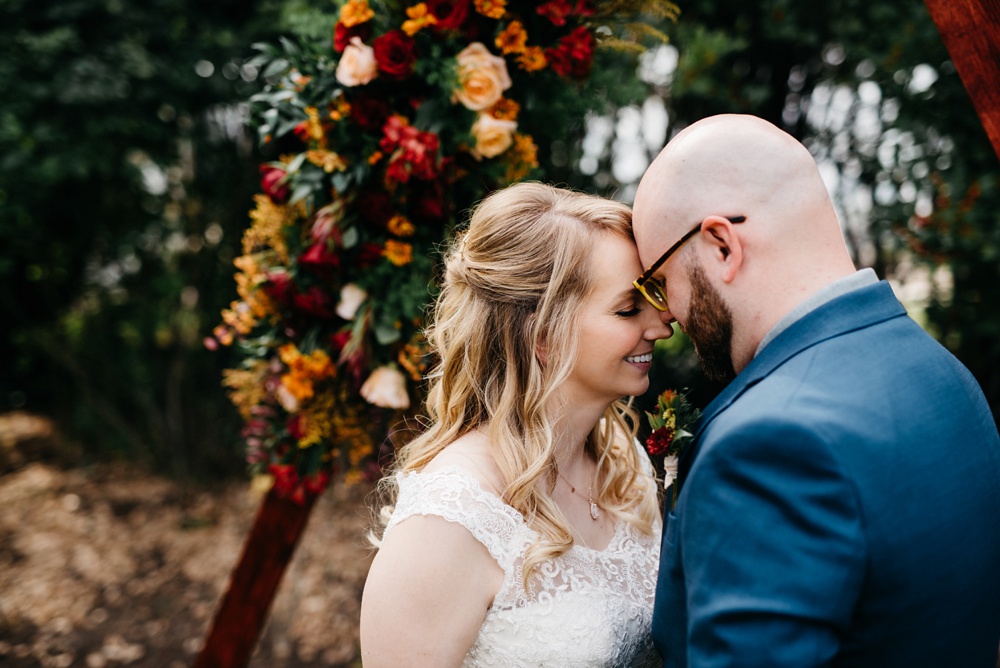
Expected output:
(673, 424)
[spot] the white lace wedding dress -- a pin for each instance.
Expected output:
(585, 608)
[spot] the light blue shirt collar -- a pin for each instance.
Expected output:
(855, 281)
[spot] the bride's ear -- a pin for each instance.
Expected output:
(541, 345)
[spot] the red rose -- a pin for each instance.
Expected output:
(320, 258)
(395, 54)
(369, 112)
(270, 183)
(342, 34)
(450, 14)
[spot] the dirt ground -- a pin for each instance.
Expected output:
(109, 566)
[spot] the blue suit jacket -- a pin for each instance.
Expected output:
(840, 506)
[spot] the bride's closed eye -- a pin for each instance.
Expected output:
(630, 311)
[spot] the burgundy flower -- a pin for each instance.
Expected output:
(450, 14)
(369, 112)
(295, 427)
(395, 54)
(374, 207)
(279, 287)
(369, 254)
(270, 183)
(659, 441)
(430, 202)
(314, 301)
(342, 34)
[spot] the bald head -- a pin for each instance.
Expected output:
(730, 165)
(789, 246)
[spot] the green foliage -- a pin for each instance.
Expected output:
(124, 179)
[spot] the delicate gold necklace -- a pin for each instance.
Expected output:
(594, 509)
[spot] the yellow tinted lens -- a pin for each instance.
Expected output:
(653, 293)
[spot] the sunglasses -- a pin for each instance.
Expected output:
(652, 289)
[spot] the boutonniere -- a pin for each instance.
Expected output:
(673, 424)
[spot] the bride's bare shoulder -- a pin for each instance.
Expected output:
(472, 453)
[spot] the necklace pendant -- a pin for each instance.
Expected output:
(594, 511)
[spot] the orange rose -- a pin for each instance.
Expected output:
(482, 77)
(493, 136)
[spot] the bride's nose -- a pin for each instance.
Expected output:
(658, 324)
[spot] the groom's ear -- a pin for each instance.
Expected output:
(725, 245)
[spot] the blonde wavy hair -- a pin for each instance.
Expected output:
(514, 283)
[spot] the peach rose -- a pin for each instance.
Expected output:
(357, 64)
(287, 400)
(386, 387)
(351, 297)
(482, 77)
(493, 136)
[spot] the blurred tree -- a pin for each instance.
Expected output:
(125, 180)
(869, 88)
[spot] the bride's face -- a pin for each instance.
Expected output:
(617, 328)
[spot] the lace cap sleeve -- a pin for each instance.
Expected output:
(453, 494)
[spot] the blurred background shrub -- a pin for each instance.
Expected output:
(126, 175)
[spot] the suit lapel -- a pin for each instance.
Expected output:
(856, 310)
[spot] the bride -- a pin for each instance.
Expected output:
(525, 529)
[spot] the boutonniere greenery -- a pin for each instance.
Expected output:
(673, 423)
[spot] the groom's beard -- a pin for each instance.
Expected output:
(710, 327)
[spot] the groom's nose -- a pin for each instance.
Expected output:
(666, 317)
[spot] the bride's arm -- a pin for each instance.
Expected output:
(427, 594)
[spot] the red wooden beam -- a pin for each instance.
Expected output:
(971, 32)
(244, 608)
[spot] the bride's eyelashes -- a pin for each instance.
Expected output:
(629, 312)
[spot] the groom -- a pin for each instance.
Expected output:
(840, 503)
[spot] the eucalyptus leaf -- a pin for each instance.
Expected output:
(275, 67)
(386, 334)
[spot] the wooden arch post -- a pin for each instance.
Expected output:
(268, 549)
(970, 30)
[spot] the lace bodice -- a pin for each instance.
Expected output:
(585, 608)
